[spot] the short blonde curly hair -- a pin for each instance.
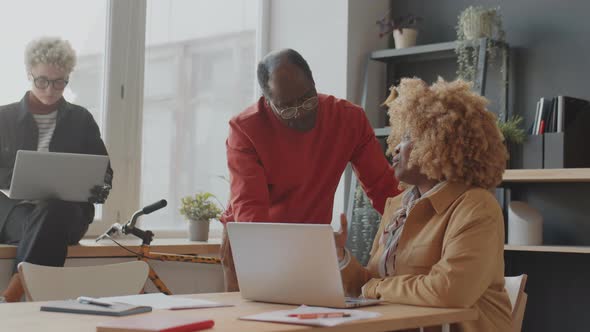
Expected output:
(52, 51)
(455, 138)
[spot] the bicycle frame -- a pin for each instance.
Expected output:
(145, 255)
(147, 237)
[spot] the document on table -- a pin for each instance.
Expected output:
(163, 301)
(317, 316)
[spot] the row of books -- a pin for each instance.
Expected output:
(554, 115)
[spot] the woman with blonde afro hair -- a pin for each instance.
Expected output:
(441, 243)
(455, 138)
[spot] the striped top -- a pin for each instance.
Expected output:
(46, 125)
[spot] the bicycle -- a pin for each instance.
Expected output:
(147, 237)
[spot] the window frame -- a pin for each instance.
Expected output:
(123, 86)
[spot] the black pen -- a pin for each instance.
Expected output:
(90, 300)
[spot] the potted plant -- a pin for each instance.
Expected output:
(404, 29)
(477, 22)
(512, 131)
(199, 210)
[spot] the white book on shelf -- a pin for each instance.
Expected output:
(560, 106)
(536, 122)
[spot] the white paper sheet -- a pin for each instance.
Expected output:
(282, 316)
(163, 301)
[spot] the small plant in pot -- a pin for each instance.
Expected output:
(405, 29)
(199, 210)
(513, 132)
(477, 22)
(473, 23)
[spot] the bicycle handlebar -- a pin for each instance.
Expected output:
(155, 206)
(129, 227)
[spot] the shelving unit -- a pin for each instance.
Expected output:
(436, 51)
(446, 50)
(416, 53)
(560, 249)
(559, 175)
(547, 175)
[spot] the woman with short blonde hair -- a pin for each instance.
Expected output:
(50, 50)
(44, 121)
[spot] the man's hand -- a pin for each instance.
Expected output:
(341, 236)
(99, 194)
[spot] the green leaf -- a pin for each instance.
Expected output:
(200, 207)
(512, 130)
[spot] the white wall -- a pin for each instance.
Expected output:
(363, 38)
(319, 31)
(335, 37)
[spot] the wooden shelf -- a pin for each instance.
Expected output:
(547, 175)
(562, 249)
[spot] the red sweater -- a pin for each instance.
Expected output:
(279, 174)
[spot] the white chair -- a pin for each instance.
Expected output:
(518, 298)
(45, 283)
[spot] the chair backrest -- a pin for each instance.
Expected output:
(46, 283)
(518, 298)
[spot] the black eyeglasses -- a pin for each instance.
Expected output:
(43, 82)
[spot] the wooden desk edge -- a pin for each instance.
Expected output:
(87, 250)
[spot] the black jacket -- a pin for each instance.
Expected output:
(75, 132)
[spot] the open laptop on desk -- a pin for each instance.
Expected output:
(65, 176)
(289, 263)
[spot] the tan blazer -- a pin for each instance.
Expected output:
(450, 254)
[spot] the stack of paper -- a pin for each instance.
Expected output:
(304, 315)
(163, 301)
(116, 309)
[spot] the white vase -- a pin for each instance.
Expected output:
(198, 230)
(525, 225)
(405, 38)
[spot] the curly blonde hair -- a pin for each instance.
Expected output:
(52, 51)
(455, 138)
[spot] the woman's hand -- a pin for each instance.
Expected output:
(99, 194)
(341, 236)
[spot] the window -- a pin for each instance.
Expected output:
(29, 19)
(199, 72)
(162, 78)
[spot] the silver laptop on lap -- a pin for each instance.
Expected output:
(289, 263)
(65, 176)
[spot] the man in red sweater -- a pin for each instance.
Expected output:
(287, 152)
